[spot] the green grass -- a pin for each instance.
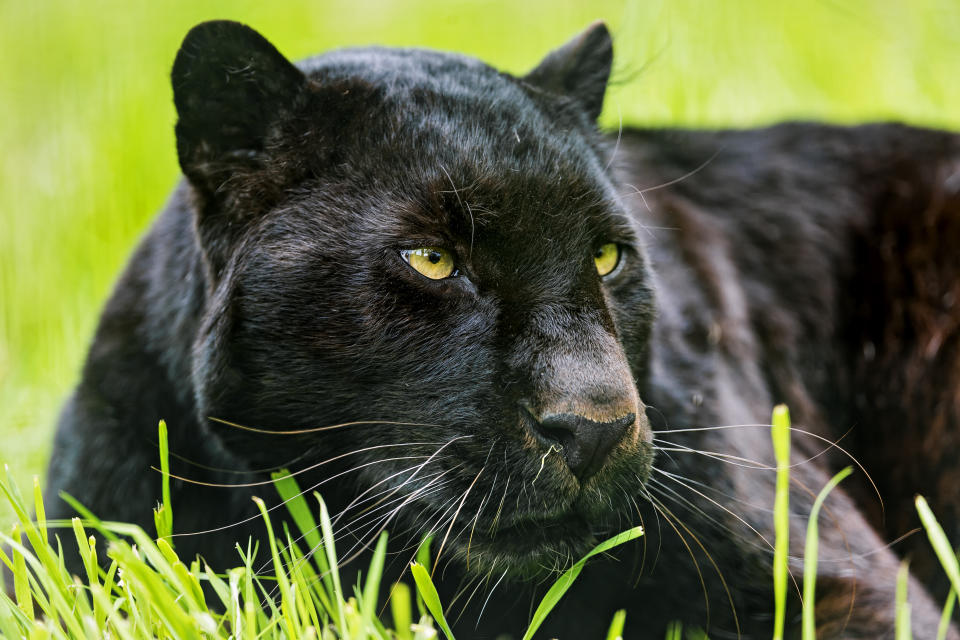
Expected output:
(86, 120)
(148, 591)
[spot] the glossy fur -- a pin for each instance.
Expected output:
(806, 264)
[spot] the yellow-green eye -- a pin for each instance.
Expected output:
(607, 258)
(433, 262)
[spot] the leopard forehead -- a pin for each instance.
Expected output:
(441, 149)
(395, 120)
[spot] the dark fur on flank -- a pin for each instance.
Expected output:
(525, 407)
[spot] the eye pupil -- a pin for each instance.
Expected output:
(434, 257)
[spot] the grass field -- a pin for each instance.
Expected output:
(86, 120)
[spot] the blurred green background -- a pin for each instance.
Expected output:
(86, 119)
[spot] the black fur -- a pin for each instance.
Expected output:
(758, 267)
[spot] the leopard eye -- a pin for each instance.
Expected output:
(607, 258)
(432, 262)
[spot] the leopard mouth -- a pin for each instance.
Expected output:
(543, 527)
(530, 547)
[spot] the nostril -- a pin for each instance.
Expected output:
(560, 427)
(585, 443)
(549, 429)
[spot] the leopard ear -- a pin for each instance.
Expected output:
(579, 69)
(230, 86)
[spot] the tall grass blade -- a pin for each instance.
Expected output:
(89, 518)
(286, 485)
(288, 608)
(903, 631)
(810, 557)
(331, 553)
(781, 516)
(289, 491)
(945, 552)
(372, 586)
(163, 513)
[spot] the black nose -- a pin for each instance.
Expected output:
(585, 444)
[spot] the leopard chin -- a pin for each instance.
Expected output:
(530, 551)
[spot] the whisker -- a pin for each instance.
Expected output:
(792, 429)
(364, 547)
(643, 557)
(389, 491)
(760, 465)
(463, 609)
(342, 425)
(723, 581)
(382, 523)
(337, 533)
(206, 467)
(722, 457)
(279, 504)
(260, 483)
(722, 494)
(656, 514)
(372, 512)
(692, 506)
(368, 516)
(418, 469)
(324, 481)
(489, 595)
(657, 505)
(454, 518)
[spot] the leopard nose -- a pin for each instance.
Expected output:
(585, 444)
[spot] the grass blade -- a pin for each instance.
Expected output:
(21, 582)
(372, 586)
(288, 607)
(163, 514)
(781, 516)
(616, 625)
(940, 543)
(903, 631)
(400, 607)
(563, 583)
(286, 485)
(810, 557)
(947, 615)
(331, 553)
(430, 597)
